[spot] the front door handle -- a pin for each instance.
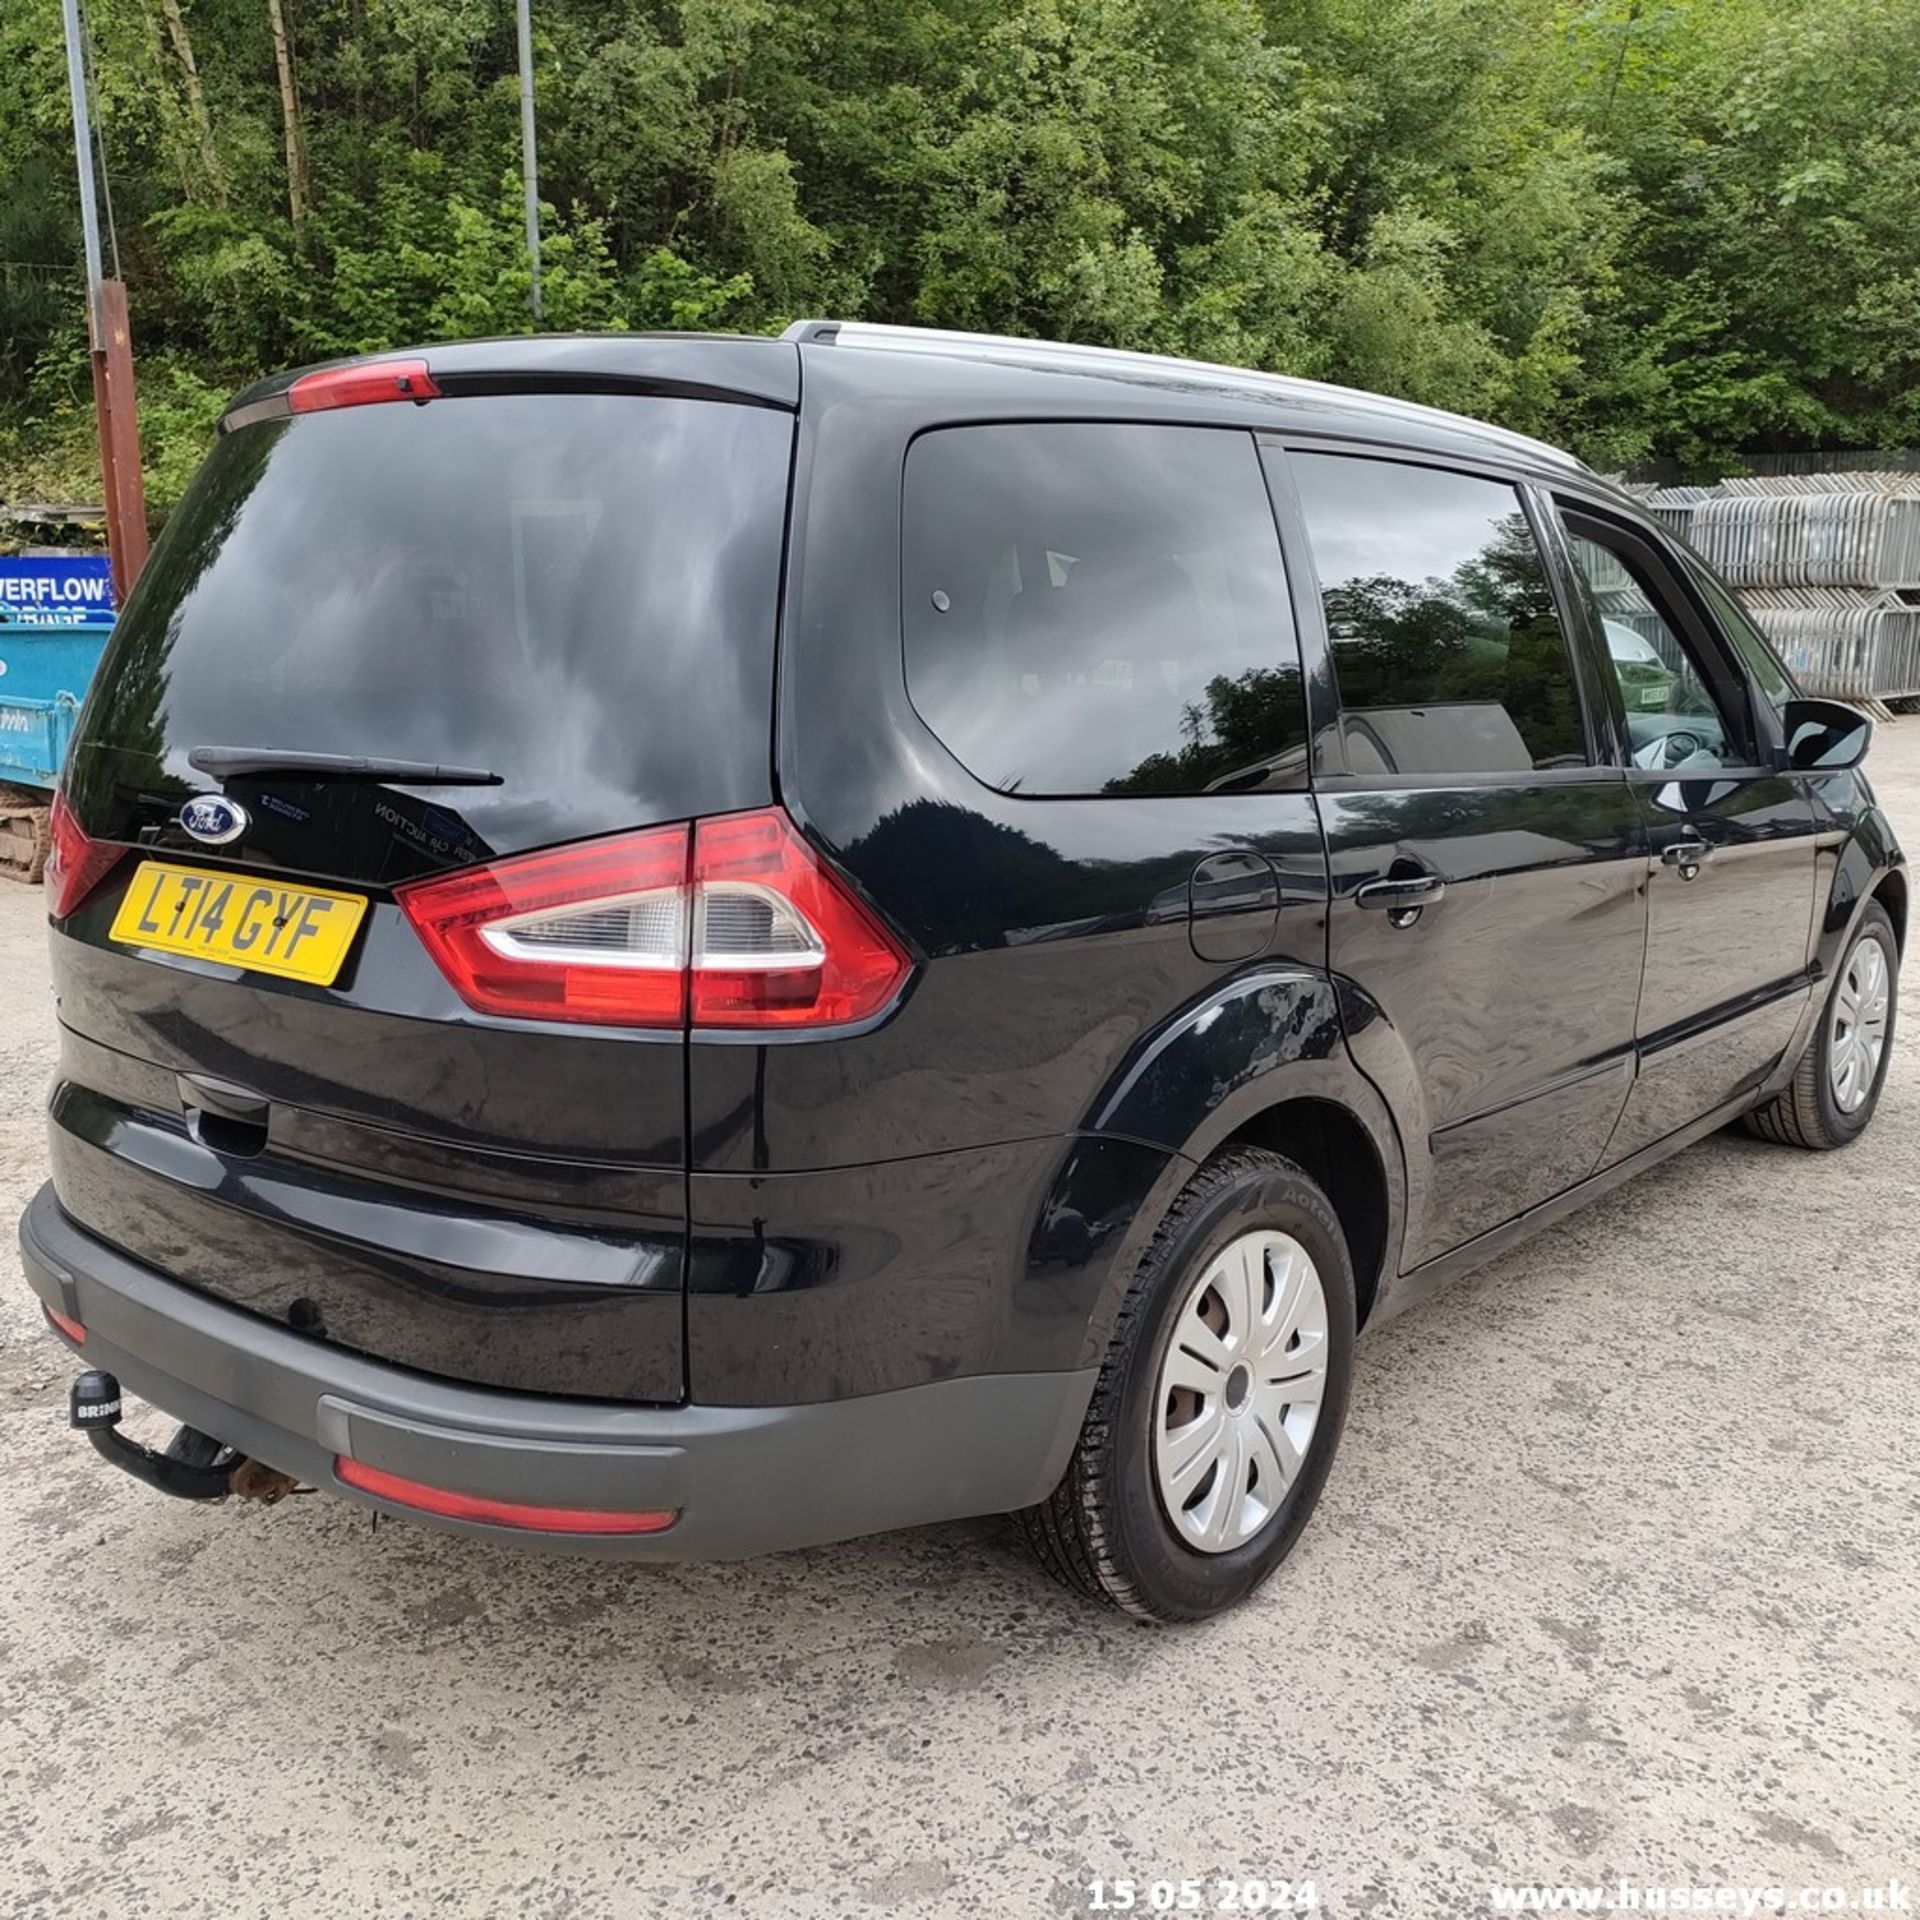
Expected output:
(1686, 855)
(1402, 898)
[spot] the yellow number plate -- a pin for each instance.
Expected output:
(299, 933)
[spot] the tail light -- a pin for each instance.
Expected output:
(76, 863)
(596, 932)
(730, 922)
(779, 940)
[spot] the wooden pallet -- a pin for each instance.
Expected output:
(26, 833)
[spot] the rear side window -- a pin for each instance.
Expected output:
(1096, 609)
(1446, 641)
(574, 591)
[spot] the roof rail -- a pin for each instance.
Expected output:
(1068, 356)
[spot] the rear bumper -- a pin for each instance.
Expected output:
(743, 1480)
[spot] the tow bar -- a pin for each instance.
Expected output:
(195, 1466)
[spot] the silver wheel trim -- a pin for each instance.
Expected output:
(1239, 1392)
(1857, 1026)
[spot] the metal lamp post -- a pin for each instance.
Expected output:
(110, 339)
(530, 166)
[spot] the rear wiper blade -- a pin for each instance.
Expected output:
(226, 762)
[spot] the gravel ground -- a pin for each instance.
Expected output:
(1616, 1579)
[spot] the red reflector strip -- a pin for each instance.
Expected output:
(498, 1513)
(64, 1323)
(364, 386)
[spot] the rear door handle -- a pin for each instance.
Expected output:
(1403, 895)
(1684, 853)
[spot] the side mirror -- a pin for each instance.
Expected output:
(1825, 736)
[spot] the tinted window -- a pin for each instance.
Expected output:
(1101, 610)
(575, 591)
(1674, 717)
(1761, 660)
(1445, 638)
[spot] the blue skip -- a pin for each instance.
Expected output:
(56, 612)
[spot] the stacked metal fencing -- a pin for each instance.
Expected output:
(1828, 565)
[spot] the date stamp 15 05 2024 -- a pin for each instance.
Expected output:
(1201, 1893)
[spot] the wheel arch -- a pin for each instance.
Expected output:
(1891, 891)
(1329, 1144)
(1260, 1062)
(1868, 866)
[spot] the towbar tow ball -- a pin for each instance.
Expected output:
(94, 1408)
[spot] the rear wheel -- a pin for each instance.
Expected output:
(1837, 1084)
(1220, 1403)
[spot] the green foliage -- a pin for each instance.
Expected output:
(443, 267)
(48, 450)
(1648, 228)
(178, 406)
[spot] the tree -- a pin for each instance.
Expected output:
(297, 190)
(1648, 228)
(182, 44)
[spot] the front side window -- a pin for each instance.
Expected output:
(1759, 657)
(1101, 610)
(1446, 641)
(1675, 717)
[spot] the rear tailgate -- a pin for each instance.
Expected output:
(571, 593)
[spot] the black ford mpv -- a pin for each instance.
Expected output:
(686, 946)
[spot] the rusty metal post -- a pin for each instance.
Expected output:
(111, 342)
(113, 401)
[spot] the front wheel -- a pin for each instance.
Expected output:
(1837, 1085)
(1220, 1403)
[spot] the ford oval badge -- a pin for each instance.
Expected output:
(213, 819)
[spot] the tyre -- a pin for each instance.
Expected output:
(1837, 1084)
(1220, 1402)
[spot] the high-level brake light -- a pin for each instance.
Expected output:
(362, 386)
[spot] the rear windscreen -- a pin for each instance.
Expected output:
(574, 591)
